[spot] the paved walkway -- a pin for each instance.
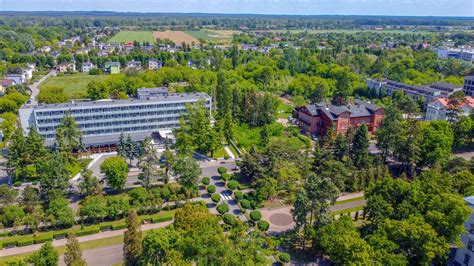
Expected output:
(62, 242)
(34, 87)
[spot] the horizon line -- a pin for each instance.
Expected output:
(237, 14)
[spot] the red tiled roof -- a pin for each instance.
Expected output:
(8, 82)
(444, 101)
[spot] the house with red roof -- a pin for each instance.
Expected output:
(315, 119)
(438, 108)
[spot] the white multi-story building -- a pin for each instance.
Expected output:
(438, 108)
(465, 256)
(102, 122)
(468, 87)
(457, 53)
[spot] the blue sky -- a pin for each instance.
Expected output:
(295, 7)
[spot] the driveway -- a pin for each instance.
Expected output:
(34, 87)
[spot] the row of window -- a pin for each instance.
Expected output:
(110, 109)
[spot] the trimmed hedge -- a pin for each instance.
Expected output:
(216, 198)
(88, 231)
(206, 180)
(61, 234)
(222, 208)
(119, 226)
(225, 176)
(263, 225)
(255, 215)
(245, 204)
(43, 238)
(238, 195)
(233, 185)
(229, 219)
(105, 227)
(221, 170)
(284, 257)
(9, 242)
(25, 241)
(211, 189)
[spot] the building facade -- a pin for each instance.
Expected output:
(438, 108)
(102, 122)
(465, 255)
(468, 87)
(154, 64)
(112, 67)
(87, 66)
(315, 119)
(426, 93)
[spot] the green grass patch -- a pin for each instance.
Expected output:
(220, 153)
(74, 85)
(284, 110)
(130, 36)
(348, 210)
(355, 31)
(75, 168)
(349, 200)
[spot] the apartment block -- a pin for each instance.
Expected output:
(102, 122)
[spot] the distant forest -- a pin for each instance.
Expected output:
(219, 21)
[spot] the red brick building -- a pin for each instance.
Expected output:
(315, 119)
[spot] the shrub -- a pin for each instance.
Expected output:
(284, 257)
(229, 219)
(95, 71)
(206, 180)
(88, 231)
(226, 156)
(25, 241)
(255, 215)
(159, 218)
(105, 227)
(222, 170)
(119, 226)
(216, 198)
(233, 185)
(9, 242)
(238, 195)
(222, 208)
(211, 189)
(263, 225)
(225, 176)
(245, 204)
(17, 183)
(60, 234)
(43, 238)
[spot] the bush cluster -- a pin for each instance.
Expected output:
(263, 225)
(284, 257)
(222, 208)
(233, 185)
(245, 204)
(216, 198)
(206, 181)
(255, 215)
(211, 189)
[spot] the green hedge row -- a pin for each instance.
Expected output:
(94, 229)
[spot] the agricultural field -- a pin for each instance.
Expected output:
(75, 85)
(213, 35)
(139, 36)
(177, 37)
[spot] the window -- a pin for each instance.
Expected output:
(467, 258)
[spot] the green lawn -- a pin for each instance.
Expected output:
(284, 110)
(224, 36)
(348, 210)
(349, 200)
(139, 36)
(74, 85)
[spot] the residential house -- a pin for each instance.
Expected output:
(438, 108)
(134, 64)
(45, 49)
(2, 90)
(112, 67)
(154, 64)
(315, 119)
(65, 67)
(8, 82)
(87, 66)
(17, 78)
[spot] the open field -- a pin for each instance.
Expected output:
(75, 85)
(177, 37)
(213, 35)
(139, 36)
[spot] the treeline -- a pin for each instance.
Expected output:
(227, 21)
